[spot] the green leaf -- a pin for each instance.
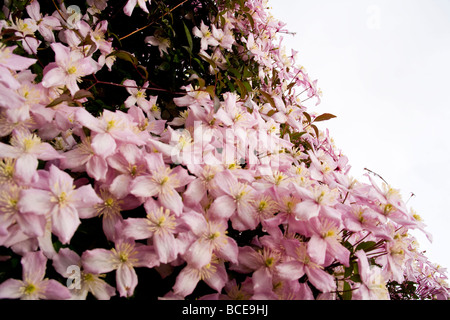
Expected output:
(365, 245)
(316, 130)
(324, 116)
(269, 99)
(60, 99)
(188, 37)
(347, 293)
(80, 94)
(308, 116)
(125, 55)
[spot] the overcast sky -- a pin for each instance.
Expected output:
(384, 69)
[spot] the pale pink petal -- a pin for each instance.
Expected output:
(33, 266)
(64, 259)
(32, 224)
(317, 248)
(195, 192)
(98, 261)
(363, 265)
(166, 247)
(195, 221)
(249, 258)
(247, 215)
(129, 7)
(186, 281)
(339, 252)
(320, 279)
(146, 256)
(65, 222)
(8, 151)
(137, 228)
(199, 253)
(25, 167)
(54, 77)
(226, 181)
(56, 291)
(171, 199)
(103, 144)
(11, 289)
(88, 120)
(62, 53)
(290, 270)
(223, 207)
(85, 196)
(144, 186)
(36, 201)
(229, 251)
(306, 210)
(126, 279)
(218, 279)
(120, 187)
(97, 168)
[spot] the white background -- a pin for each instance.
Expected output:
(384, 69)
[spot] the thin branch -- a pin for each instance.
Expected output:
(148, 25)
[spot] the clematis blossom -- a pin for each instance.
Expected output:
(68, 68)
(123, 258)
(33, 285)
(59, 201)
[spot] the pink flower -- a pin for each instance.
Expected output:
(123, 258)
(59, 201)
(84, 158)
(27, 148)
(11, 61)
(33, 286)
(325, 244)
(160, 225)
(301, 264)
(68, 264)
(162, 182)
(211, 240)
(129, 7)
(373, 286)
(214, 274)
(137, 96)
(206, 36)
(68, 68)
(235, 201)
(107, 129)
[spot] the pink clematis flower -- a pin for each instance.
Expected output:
(68, 68)
(214, 274)
(137, 96)
(131, 4)
(68, 264)
(60, 201)
(325, 244)
(108, 129)
(123, 258)
(206, 36)
(163, 182)
(33, 286)
(235, 201)
(160, 225)
(10, 61)
(301, 264)
(27, 148)
(211, 240)
(373, 286)
(83, 158)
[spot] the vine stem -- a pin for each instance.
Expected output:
(148, 25)
(96, 81)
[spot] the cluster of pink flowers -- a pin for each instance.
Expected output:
(226, 166)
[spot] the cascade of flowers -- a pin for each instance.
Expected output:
(172, 150)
